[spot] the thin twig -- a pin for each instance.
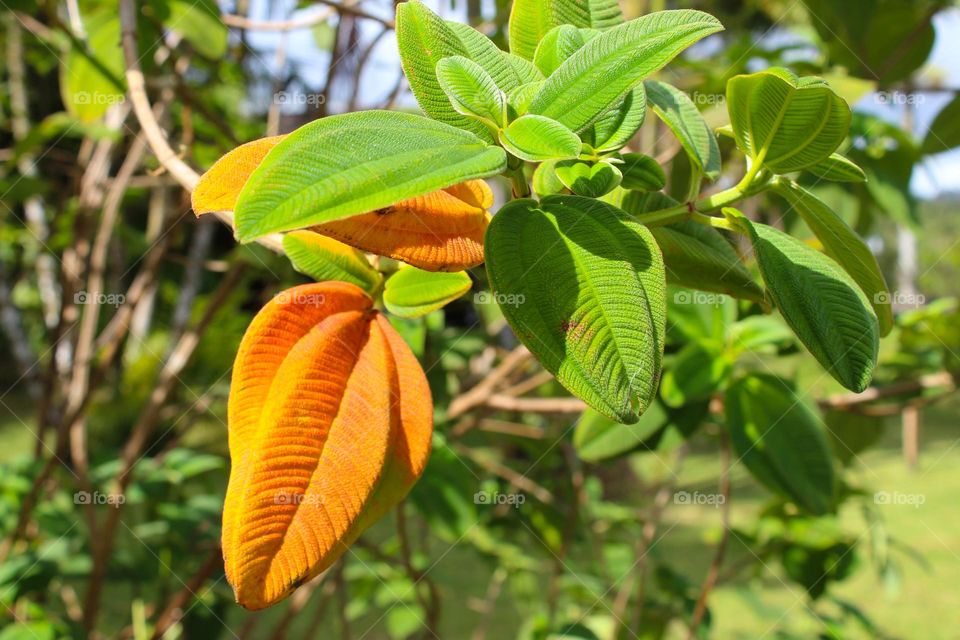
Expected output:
(711, 579)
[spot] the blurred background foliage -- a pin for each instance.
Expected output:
(120, 314)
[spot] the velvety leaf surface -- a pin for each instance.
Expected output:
(536, 138)
(530, 20)
(615, 128)
(471, 90)
(220, 186)
(843, 245)
(324, 258)
(439, 231)
(623, 56)
(354, 163)
(784, 122)
(642, 173)
(679, 113)
(837, 168)
(822, 304)
(411, 292)
(330, 423)
(590, 292)
(586, 179)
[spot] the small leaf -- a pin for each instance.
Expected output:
(530, 20)
(536, 138)
(695, 374)
(843, 245)
(91, 80)
(622, 57)
(679, 113)
(324, 258)
(642, 173)
(598, 438)
(353, 163)
(557, 45)
(783, 122)
(615, 128)
(221, 184)
(586, 179)
(471, 90)
(424, 39)
(781, 441)
(696, 256)
(411, 293)
(545, 180)
(439, 231)
(589, 293)
(822, 304)
(482, 50)
(330, 423)
(944, 132)
(838, 169)
(518, 100)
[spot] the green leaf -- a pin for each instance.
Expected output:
(323, 258)
(837, 168)
(783, 122)
(90, 79)
(822, 304)
(585, 179)
(423, 39)
(518, 100)
(679, 113)
(781, 441)
(696, 255)
(557, 45)
(593, 79)
(526, 71)
(535, 138)
(590, 292)
(944, 132)
(597, 438)
(545, 180)
(843, 245)
(697, 371)
(766, 334)
(530, 20)
(411, 292)
(484, 52)
(200, 24)
(642, 173)
(615, 128)
(354, 163)
(471, 90)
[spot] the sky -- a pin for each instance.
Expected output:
(938, 175)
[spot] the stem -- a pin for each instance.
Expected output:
(520, 187)
(715, 222)
(692, 209)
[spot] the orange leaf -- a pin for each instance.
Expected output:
(221, 184)
(330, 425)
(439, 231)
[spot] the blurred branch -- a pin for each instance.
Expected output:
(481, 393)
(173, 611)
(180, 170)
(711, 580)
(143, 429)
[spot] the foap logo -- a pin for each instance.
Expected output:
(502, 299)
(98, 97)
(96, 498)
(292, 296)
(699, 298)
(900, 299)
(698, 498)
(104, 299)
(899, 499)
(496, 498)
(299, 99)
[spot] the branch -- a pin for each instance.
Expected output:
(137, 91)
(711, 580)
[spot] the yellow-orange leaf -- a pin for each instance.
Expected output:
(439, 231)
(330, 424)
(221, 184)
